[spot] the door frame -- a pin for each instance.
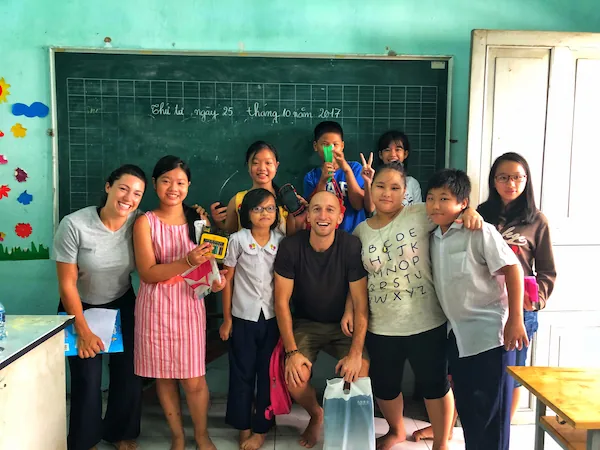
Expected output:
(562, 70)
(481, 41)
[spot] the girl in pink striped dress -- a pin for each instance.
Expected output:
(170, 322)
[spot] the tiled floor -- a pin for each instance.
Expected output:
(155, 433)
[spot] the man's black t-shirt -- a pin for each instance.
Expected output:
(321, 279)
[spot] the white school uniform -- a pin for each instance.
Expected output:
(253, 278)
(469, 286)
(413, 192)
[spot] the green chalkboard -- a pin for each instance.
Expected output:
(116, 108)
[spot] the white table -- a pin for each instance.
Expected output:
(32, 383)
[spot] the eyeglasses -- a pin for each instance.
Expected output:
(259, 209)
(506, 178)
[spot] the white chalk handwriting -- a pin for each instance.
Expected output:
(255, 110)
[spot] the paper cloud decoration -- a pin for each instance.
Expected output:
(36, 109)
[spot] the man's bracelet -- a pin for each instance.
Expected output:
(293, 352)
(187, 260)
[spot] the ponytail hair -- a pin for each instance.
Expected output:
(126, 169)
(166, 164)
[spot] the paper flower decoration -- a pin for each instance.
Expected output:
(4, 92)
(20, 175)
(18, 130)
(25, 198)
(4, 190)
(23, 230)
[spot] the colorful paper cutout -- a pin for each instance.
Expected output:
(3, 160)
(18, 130)
(1, 133)
(20, 175)
(36, 109)
(4, 190)
(4, 92)
(25, 198)
(2, 236)
(18, 253)
(23, 230)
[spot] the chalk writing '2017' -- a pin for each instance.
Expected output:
(329, 113)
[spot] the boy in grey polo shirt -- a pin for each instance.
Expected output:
(472, 272)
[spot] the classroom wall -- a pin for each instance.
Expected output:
(29, 27)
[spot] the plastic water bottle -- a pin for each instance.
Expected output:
(2, 322)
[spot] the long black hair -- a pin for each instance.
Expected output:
(166, 164)
(522, 209)
(126, 169)
(390, 137)
(252, 199)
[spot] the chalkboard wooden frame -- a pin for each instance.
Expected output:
(115, 51)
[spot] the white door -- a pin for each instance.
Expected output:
(538, 94)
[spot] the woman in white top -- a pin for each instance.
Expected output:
(93, 250)
(394, 146)
(406, 320)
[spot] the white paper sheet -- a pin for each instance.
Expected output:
(102, 323)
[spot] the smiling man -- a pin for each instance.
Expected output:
(316, 270)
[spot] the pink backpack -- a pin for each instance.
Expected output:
(281, 402)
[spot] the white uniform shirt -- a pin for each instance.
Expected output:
(253, 278)
(469, 287)
(413, 192)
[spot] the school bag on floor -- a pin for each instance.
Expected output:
(281, 402)
(349, 415)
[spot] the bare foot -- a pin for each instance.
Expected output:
(442, 446)
(311, 435)
(255, 442)
(390, 439)
(426, 433)
(244, 436)
(126, 445)
(178, 443)
(204, 443)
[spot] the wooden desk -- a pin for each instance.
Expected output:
(574, 395)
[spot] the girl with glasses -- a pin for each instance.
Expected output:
(262, 161)
(511, 208)
(249, 316)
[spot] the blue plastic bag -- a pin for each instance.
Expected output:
(349, 415)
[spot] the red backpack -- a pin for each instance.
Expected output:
(281, 402)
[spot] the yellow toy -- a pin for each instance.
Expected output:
(219, 244)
